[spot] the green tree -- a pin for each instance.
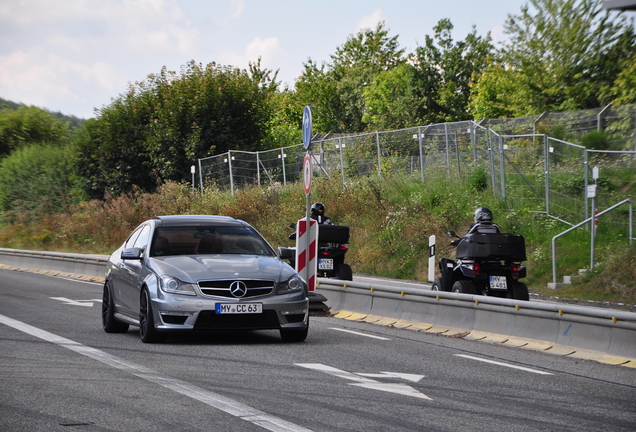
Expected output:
(445, 69)
(561, 55)
(624, 89)
(36, 179)
(393, 100)
(27, 125)
(161, 126)
(336, 89)
(433, 86)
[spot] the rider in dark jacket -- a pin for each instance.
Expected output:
(318, 214)
(483, 224)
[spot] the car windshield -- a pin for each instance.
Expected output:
(206, 240)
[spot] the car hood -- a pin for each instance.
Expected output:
(193, 268)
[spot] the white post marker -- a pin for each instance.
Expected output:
(307, 251)
(431, 258)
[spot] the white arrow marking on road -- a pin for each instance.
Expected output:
(87, 303)
(408, 377)
(361, 381)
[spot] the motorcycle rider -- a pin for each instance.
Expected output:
(318, 214)
(483, 224)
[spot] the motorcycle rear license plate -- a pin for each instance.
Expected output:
(325, 264)
(498, 283)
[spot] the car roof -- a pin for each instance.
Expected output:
(185, 220)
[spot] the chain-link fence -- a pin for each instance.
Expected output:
(525, 164)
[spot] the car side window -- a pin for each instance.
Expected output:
(133, 237)
(142, 240)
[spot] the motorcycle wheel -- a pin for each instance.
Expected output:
(437, 285)
(344, 272)
(465, 287)
(520, 291)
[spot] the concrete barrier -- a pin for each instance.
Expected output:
(91, 267)
(584, 332)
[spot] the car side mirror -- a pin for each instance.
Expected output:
(132, 254)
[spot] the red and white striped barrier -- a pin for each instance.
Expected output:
(307, 272)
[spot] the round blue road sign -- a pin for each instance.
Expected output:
(307, 126)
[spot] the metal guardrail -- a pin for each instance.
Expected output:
(93, 266)
(565, 329)
(577, 331)
(591, 220)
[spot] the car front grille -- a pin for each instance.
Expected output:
(221, 288)
(210, 320)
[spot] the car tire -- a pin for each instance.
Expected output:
(465, 287)
(147, 330)
(109, 322)
(437, 285)
(344, 272)
(520, 291)
(289, 335)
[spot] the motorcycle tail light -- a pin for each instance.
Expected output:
(514, 268)
(477, 269)
(324, 253)
(344, 247)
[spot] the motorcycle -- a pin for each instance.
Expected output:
(333, 244)
(487, 264)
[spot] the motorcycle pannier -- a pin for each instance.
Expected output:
(509, 247)
(333, 234)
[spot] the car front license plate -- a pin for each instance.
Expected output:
(325, 264)
(498, 283)
(239, 308)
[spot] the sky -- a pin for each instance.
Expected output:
(76, 56)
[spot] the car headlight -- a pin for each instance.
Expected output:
(175, 286)
(293, 284)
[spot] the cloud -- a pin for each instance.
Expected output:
(237, 7)
(272, 55)
(370, 21)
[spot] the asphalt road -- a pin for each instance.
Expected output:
(60, 372)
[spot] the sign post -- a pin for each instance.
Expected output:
(307, 232)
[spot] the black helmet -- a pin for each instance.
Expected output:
(483, 214)
(318, 209)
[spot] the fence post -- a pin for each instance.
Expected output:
(258, 168)
(229, 162)
(447, 151)
(200, 176)
(546, 163)
(601, 116)
(377, 140)
(502, 167)
(492, 161)
(473, 140)
(342, 171)
(282, 160)
(587, 182)
(421, 138)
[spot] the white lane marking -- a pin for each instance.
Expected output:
(361, 381)
(225, 404)
(504, 364)
(88, 303)
(359, 334)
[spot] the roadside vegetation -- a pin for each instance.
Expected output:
(391, 221)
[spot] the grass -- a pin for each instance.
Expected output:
(390, 220)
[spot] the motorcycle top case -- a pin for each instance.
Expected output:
(509, 247)
(333, 234)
